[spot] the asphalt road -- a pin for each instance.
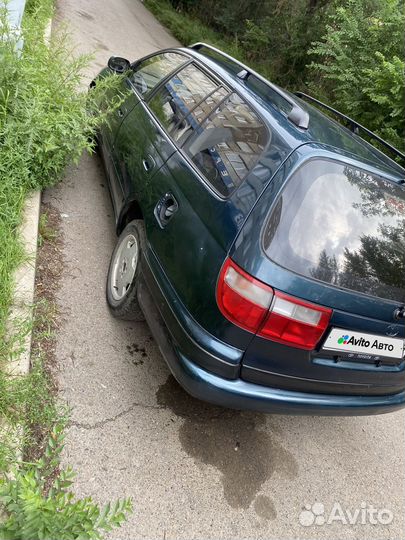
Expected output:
(193, 470)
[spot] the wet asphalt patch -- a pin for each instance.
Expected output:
(233, 442)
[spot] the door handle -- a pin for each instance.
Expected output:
(148, 163)
(120, 113)
(165, 209)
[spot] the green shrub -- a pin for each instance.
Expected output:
(39, 505)
(44, 125)
(47, 120)
(189, 29)
(359, 65)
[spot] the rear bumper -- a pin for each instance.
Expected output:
(239, 394)
(214, 379)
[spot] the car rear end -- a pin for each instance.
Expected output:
(317, 275)
(307, 314)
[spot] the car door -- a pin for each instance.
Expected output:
(125, 137)
(188, 214)
(106, 143)
(143, 143)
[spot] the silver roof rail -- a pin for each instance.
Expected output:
(298, 116)
(353, 125)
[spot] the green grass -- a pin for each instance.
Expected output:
(24, 401)
(184, 28)
(46, 122)
(44, 125)
(11, 251)
(45, 231)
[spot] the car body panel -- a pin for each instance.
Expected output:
(195, 342)
(176, 245)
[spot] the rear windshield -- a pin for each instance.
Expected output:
(341, 225)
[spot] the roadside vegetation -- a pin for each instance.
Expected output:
(45, 124)
(348, 53)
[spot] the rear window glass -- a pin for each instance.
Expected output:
(220, 59)
(341, 225)
(267, 93)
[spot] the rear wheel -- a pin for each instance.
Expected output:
(123, 273)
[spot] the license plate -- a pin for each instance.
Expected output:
(346, 341)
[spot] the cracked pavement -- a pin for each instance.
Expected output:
(193, 470)
(102, 423)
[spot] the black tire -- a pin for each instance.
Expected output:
(123, 301)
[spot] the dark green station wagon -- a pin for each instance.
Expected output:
(263, 241)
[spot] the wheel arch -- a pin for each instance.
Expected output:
(129, 212)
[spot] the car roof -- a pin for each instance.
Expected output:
(321, 128)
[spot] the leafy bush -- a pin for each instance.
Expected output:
(274, 35)
(47, 119)
(39, 505)
(44, 125)
(359, 65)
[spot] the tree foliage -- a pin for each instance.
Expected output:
(359, 66)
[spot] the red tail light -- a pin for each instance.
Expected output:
(242, 299)
(256, 307)
(295, 322)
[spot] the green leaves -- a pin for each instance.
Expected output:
(38, 504)
(358, 65)
(44, 123)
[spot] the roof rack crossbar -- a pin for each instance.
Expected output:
(297, 115)
(354, 126)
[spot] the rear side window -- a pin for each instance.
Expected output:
(180, 95)
(343, 226)
(190, 123)
(228, 144)
(148, 73)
